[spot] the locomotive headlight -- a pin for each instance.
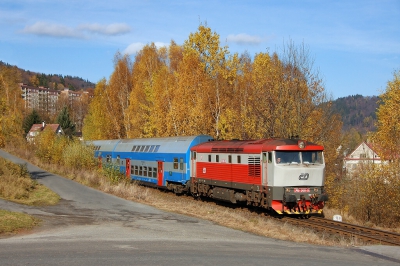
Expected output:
(301, 144)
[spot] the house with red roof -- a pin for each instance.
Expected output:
(37, 128)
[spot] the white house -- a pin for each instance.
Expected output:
(363, 153)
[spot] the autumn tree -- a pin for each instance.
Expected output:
(387, 136)
(118, 93)
(206, 45)
(145, 69)
(11, 105)
(97, 122)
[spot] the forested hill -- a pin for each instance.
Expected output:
(357, 112)
(52, 81)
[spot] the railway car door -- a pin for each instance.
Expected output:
(160, 173)
(193, 172)
(265, 160)
(128, 168)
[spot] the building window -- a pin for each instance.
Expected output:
(363, 156)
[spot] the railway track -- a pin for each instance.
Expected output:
(366, 234)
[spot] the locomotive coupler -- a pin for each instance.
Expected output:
(302, 204)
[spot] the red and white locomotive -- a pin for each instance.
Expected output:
(286, 175)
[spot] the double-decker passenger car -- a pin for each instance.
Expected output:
(162, 162)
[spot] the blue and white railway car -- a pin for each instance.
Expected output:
(162, 162)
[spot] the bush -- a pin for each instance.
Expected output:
(79, 156)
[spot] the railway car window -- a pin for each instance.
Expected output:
(151, 148)
(239, 159)
(312, 157)
(108, 158)
(140, 170)
(229, 158)
(136, 170)
(118, 159)
(287, 157)
(132, 171)
(134, 148)
(181, 163)
(209, 158)
(142, 148)
(154, 172)
(175, 163)
(157, 147)
(144, 170)
(146, 149)
(217, 158)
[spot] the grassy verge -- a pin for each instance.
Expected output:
(16, 185)
(12, 222)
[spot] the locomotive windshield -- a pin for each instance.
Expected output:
(306, 157)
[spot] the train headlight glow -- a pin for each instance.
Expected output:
(301, 144)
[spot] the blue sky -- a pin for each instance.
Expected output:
(355, 44)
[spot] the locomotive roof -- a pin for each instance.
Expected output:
(254, 146)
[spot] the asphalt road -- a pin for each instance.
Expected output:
(89, 227)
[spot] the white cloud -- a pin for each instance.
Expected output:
(53, 30)
(111, 29)
(133, 48)
(57, 30)
(243, 38)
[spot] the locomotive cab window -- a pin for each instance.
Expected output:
(269, 157)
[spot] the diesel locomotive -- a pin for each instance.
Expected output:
(282, 175)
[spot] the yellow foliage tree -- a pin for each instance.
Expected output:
(11, 105)
(97, 122)
(146, 67)
(387, 136)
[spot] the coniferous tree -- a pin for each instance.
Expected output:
(31, 119)
(65, 122)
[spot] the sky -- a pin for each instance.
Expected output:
(354, 45)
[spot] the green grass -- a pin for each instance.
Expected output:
(12, 222)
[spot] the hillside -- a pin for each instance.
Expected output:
(52, 81)
(357, 112)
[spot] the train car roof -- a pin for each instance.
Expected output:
(254, 146)
(179, 144)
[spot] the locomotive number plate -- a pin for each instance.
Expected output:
(301, 190)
